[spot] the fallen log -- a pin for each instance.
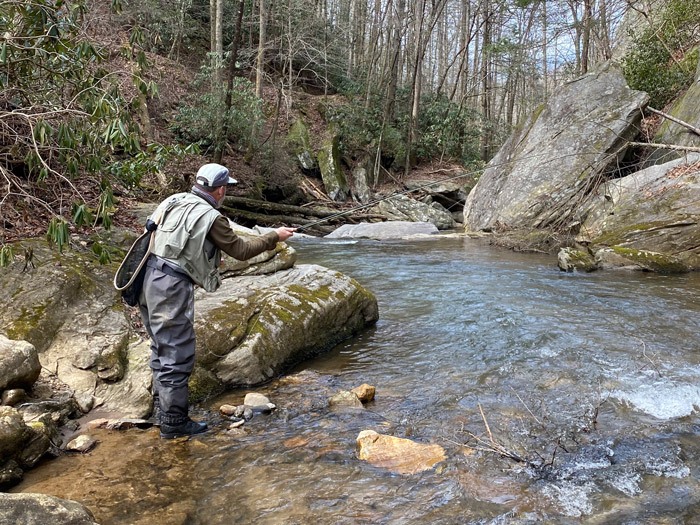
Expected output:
(284, 209)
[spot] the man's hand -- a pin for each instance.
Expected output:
(285, 233)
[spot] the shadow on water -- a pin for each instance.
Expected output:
(588, 381)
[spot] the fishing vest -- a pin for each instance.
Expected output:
(181, 238)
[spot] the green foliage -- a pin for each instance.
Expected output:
(6, 256)
(165, 26)
(148, 161)
(444, 129)
(68, 115)
(58, 233)
(101, 252)
(447, 130)
(660, 61)
(203, 116)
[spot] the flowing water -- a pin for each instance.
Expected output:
(588, 385)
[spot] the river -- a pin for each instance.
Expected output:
(589, 382)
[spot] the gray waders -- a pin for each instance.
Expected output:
(167, 310)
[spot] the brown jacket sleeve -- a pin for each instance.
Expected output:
(237, 247)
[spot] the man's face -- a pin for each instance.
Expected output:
(219, 194)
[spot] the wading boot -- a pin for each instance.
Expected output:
(155, 416)
(186, 428)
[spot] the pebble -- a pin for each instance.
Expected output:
(13, 396)
(82, 443)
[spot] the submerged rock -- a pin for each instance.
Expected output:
(399, 455)
(42, 509)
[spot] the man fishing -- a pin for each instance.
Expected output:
(191, 234)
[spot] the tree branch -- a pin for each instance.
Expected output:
(676, 120)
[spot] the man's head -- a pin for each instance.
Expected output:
(211, 176)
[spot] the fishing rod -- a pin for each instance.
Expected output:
(377, 201)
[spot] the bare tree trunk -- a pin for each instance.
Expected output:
(261, 50)
(586, 34)
(219, 151)
(485, 81)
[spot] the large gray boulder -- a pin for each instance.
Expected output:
(40, 509)
(383, 230)
(546, 168)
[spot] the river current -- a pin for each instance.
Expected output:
(558, 397)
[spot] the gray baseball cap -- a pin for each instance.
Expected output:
(214, 175)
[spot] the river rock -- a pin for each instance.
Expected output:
(21, 445)
(82, 443)
(19, 364)
(546, 168)
(383, 230)
(345, 398)
(253, 399)
(570, 259)
(364, 392)
(398, 455)
(13, 396)
(35, 509)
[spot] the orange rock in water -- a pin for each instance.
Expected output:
(364, 392)
(399, 455)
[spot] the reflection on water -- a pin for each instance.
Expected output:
(590, 380)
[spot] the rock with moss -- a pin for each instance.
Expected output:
(572, 259)
(66, 306)
(299, 142)
(21, 446)
(686, 109)
(334, 179)
(255, 328)
(619, 257)
(653, 211)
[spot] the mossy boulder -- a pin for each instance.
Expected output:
(570, 259)
(334, 179)
(299, 142)
(650, 218)
(254, 328)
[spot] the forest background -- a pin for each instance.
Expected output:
(107, 102)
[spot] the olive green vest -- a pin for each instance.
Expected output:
(181, 238)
